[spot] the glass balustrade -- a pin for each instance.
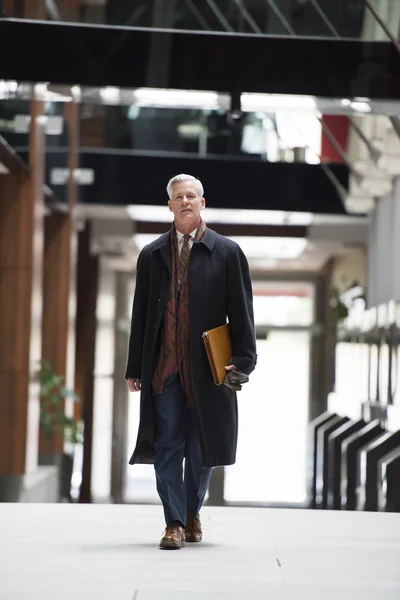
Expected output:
(337, 19)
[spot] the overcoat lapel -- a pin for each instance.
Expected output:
(165, 251)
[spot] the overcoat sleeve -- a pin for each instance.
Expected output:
(240, 311)
(138, 321)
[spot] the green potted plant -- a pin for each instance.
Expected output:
(54, 421)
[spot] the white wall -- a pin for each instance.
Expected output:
(384, 251)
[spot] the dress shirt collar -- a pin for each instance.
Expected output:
(179, 235)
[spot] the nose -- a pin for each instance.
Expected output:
(185, 200)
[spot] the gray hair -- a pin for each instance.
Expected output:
(184, 177)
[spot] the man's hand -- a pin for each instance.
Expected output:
(235, 378)
(133, 384)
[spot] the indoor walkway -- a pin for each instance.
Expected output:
(108, 552)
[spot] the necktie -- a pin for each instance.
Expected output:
(184, 258)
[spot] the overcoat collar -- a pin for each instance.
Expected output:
(163, 244)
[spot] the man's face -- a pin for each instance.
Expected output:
(186, 205)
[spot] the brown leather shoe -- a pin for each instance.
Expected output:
(193, 531)
(173, 538)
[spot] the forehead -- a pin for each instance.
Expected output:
(184, 187)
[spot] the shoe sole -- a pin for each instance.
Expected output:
(171, 546)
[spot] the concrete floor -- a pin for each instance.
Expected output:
(108, 552)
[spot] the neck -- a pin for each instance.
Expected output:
(187, 227)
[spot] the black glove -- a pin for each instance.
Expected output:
(234, 379)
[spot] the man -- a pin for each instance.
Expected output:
(188, 281)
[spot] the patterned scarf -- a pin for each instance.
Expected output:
(175, 339)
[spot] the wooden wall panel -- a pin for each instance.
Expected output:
(72, 119)
(9, 8)
(59, 285)
(35, 9)
(37, 156)
(56, 280)
(21, 215)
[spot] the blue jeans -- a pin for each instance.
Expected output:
(177, 437)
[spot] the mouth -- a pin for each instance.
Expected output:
(184, 210)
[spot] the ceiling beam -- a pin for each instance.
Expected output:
(233, 230)
(119, 56)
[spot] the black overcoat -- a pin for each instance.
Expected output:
(219, 290)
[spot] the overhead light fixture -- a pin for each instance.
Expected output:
(191, 130)
(110, 95)
(7, 88)
(202, 100)
(55, 97)
(257, 217)
(161, 214)
(40, 89)
(255, 248)
(360, 106)
(60, 176)
(76, 93)
(274, 102)
(266, 247)
(168, 98)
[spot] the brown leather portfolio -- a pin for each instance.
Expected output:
(219, 351)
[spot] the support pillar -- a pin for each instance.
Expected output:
(59, 294)
(121, 393)
(21, 249)
(322, 363)
(87, 292)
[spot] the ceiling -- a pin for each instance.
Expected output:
(114, 237)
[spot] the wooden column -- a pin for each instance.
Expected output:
(59, 265)
(121, 394)
(322, 360)
(87, 291)
(21, 247)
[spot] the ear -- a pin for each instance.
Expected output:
(170, 205)
(203, 204)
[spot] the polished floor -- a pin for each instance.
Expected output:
(106, 552)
